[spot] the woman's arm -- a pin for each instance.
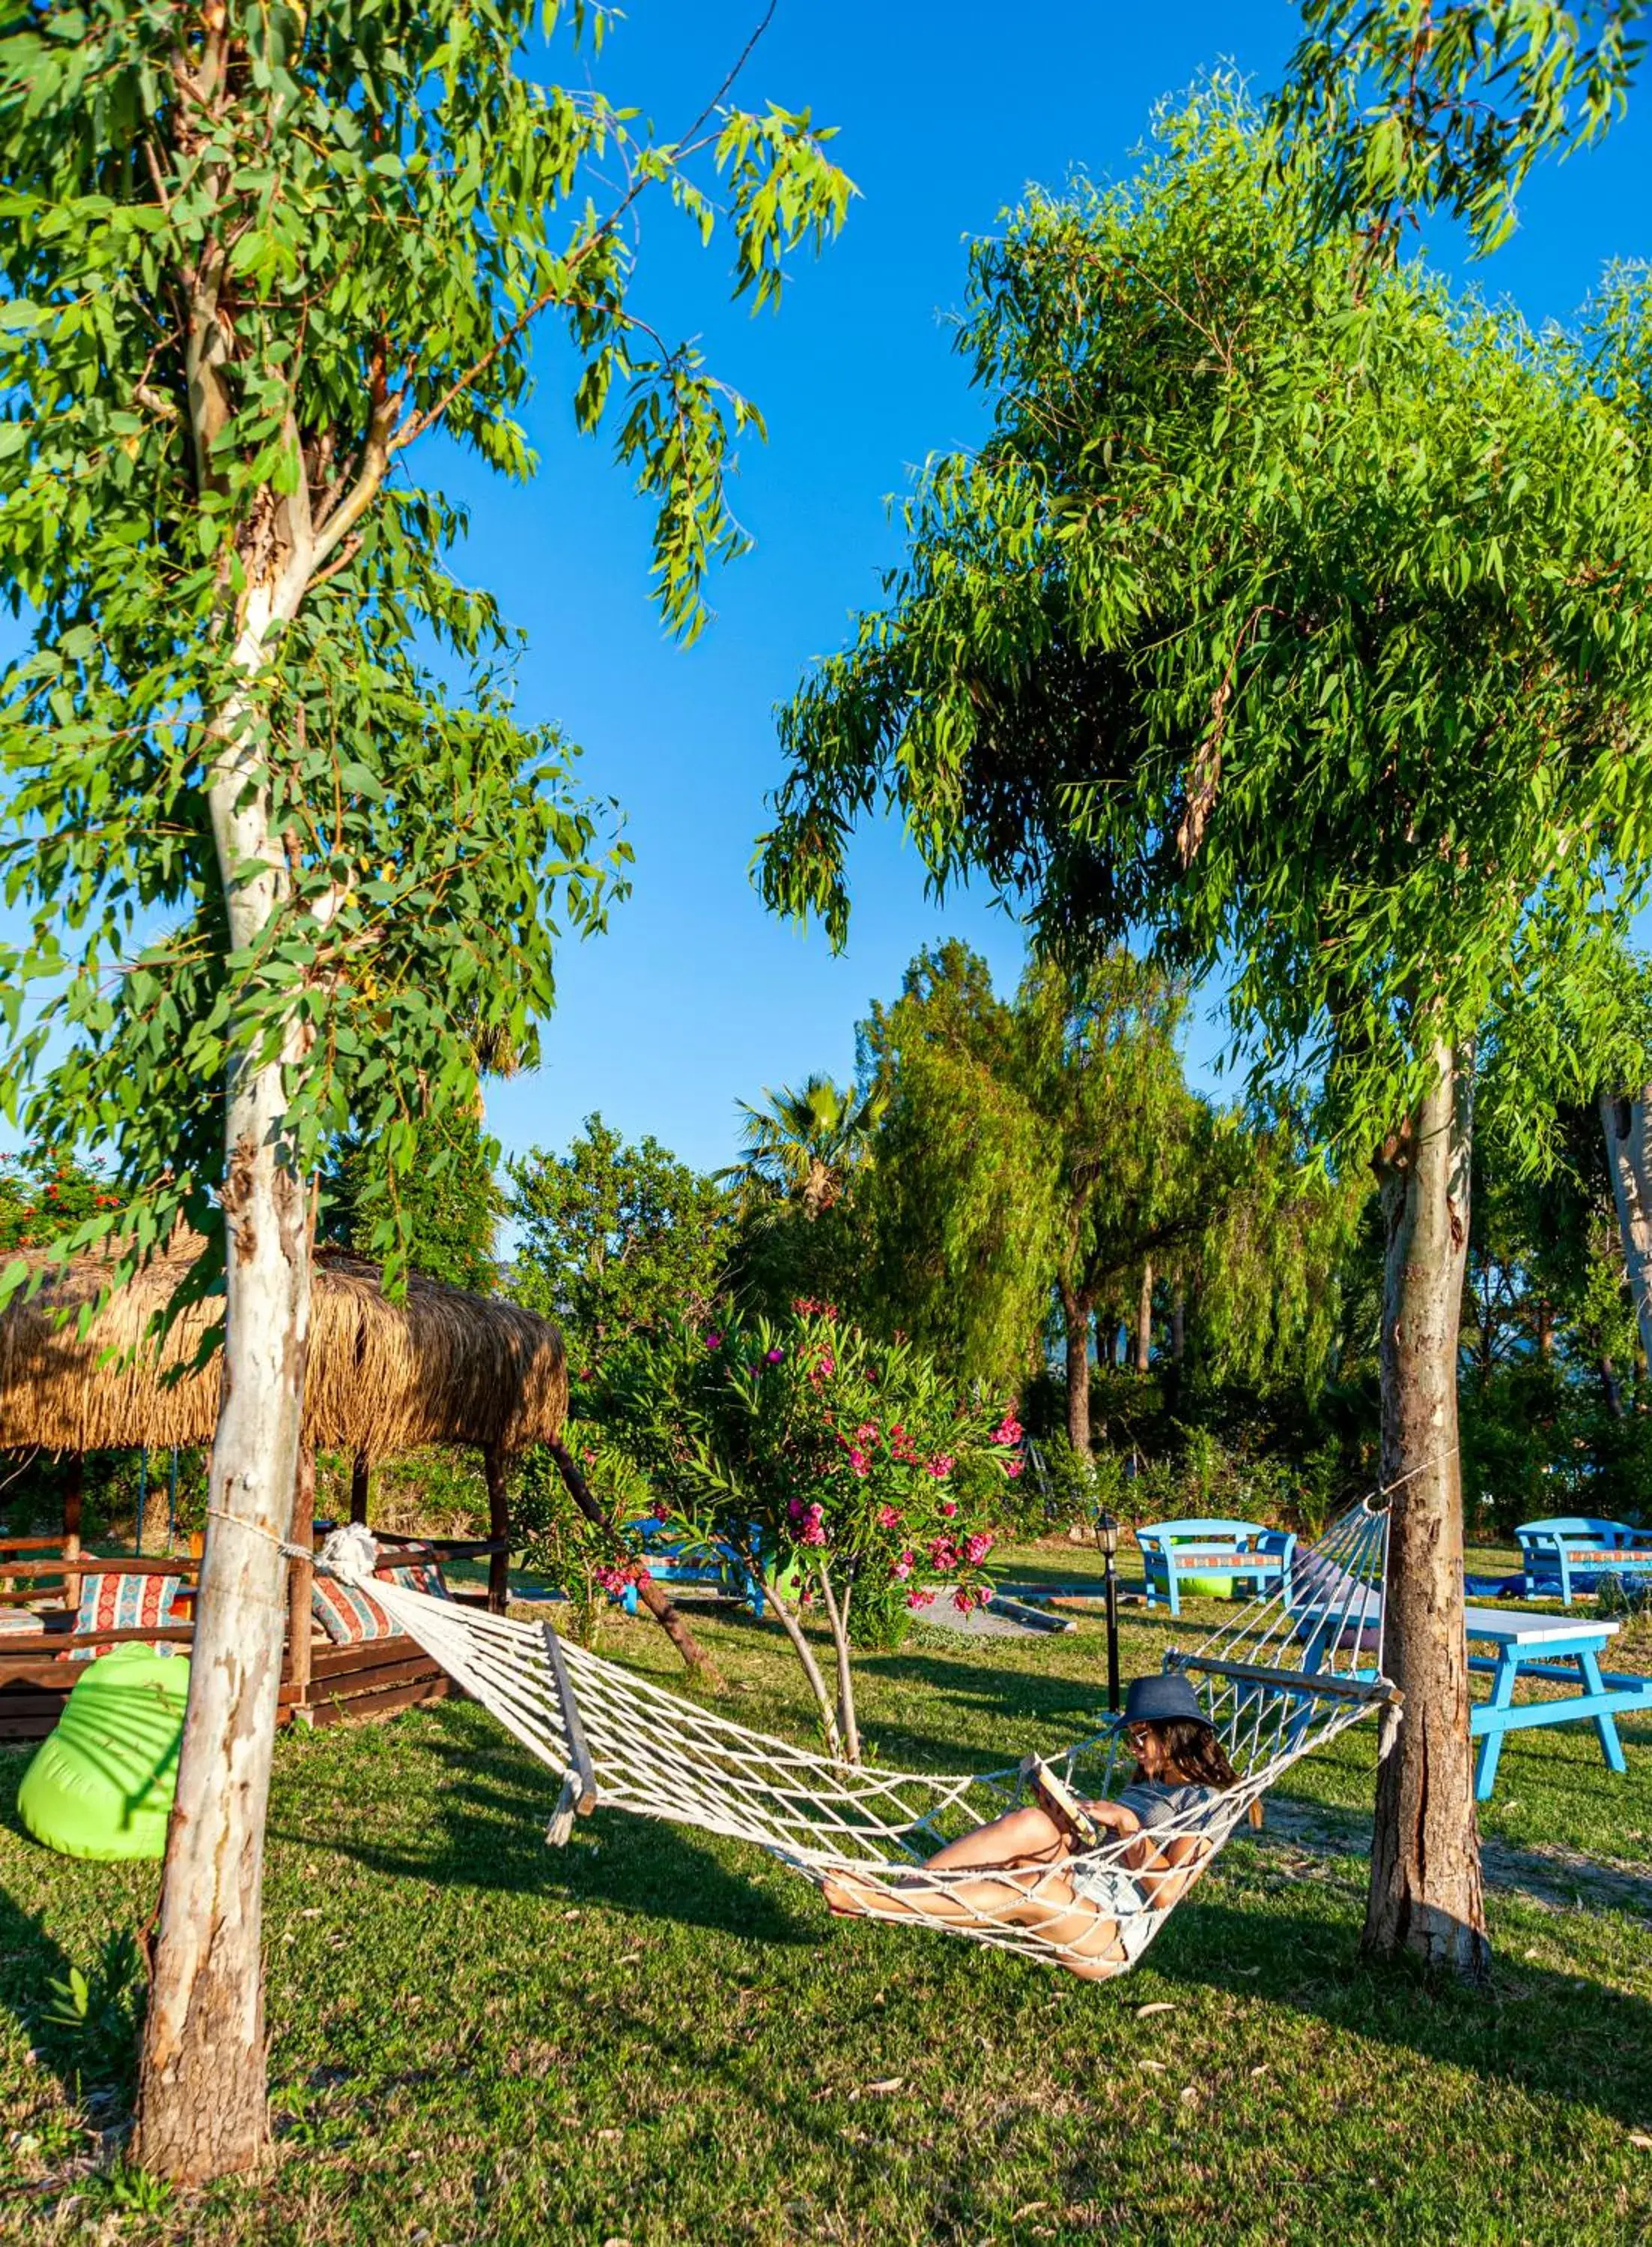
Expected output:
(1166, 1874)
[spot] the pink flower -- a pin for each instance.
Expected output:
(713, 1339)
(887, 1517)
(1008, 1430)
(861, 1464)
(1012, 1467)
(902, 1568)
(963, 1601)
(949, 1507)
(773, 1356)
(976, 1547)
(796, 1509)
(867, 1432)
(812, 1533)
(941, 1465)
(943, 1554)
(920, 1599)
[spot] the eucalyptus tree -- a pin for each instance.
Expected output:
(260, 262)
(1446, 105)
(1294, 613)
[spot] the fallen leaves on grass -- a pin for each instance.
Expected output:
(1160, 2005)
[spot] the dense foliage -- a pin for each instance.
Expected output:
(853, 1475)
(616, 1242)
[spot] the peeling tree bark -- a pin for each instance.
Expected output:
(1425, 1893)
(1624, 1122)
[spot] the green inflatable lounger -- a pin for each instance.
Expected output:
(101, 1785)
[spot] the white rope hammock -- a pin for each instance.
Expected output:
(1290, 1671)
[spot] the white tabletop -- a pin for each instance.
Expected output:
(1510, 1627)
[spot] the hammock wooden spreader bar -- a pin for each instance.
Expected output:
(1288, 1674)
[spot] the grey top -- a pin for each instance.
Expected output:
(1156, 1804)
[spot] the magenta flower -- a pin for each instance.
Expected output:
(662, 1512)
(920, 1599)
(713, 1339)
(943, 1554)
(812, 1533)
(1012, 1467)
(902, 1568)
(963, 1601)
(796, 1509)
(1008, 1430)
(976, 1547)
(949, 1507)
(941, 1465)
(773, 1356)
(867, 1432)
(861, 1464)
(887, 1517)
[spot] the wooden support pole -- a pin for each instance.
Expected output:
(360, 1487)
(73, 1499)
(498, 1528)
(300, 1578)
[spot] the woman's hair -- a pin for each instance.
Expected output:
(1194, 1753)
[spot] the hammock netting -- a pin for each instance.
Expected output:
(1290, 1670)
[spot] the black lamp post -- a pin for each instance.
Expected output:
(1107, 1538)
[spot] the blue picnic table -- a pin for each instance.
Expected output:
(1551, 1650)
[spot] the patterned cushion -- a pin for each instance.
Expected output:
(123, 1603)
(347, 1614)
(21, 1619)
(421, 1576)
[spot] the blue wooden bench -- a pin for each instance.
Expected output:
(1570, 1552)
(672, 1559)
(1175, 1552)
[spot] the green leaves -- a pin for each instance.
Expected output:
(1330, 702)
(1393, 110)
(248, 261)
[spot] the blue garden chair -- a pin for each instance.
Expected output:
(1197, 1553)
(1569, 1553)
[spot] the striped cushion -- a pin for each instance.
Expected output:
(123, 1603)
(347, 1614)
(421, 1576)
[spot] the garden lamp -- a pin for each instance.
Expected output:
(1107, 1539)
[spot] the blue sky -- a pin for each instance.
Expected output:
(697, 998)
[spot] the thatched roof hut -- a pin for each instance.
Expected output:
(441, 1367)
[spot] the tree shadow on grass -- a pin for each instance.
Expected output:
(1544, 2034)
(491, 1803)
(100, 2056)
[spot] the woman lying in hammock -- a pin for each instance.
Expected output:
(1096, 1915)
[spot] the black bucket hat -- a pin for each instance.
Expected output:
(1159, 1700)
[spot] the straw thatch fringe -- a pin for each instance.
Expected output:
(441, 1367)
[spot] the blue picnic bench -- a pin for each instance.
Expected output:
(1550, 1651)
(672, 1558)
(1235, 1553)
(1571, 1552)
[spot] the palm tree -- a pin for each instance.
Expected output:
(806, 1145)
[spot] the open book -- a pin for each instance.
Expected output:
(1055, 1796)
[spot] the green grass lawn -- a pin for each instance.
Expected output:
(654, 2037)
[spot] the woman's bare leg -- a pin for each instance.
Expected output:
(1044, 1904)
(1028, 1831)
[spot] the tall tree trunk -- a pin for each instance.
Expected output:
(1546, 1329)
(202, 2078)
(1144, 1320)
(1611, 1388)
(1624, 1122)
(201, 2085)
(1076, 1320)
(1425, 1891)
